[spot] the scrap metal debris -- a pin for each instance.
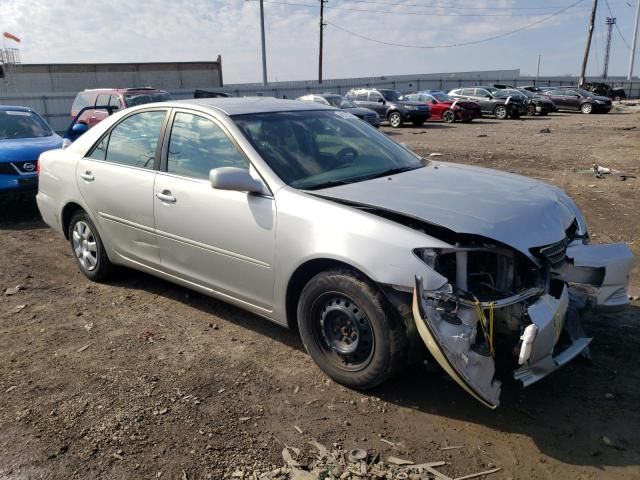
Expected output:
(323, 463)
(599, 171)
(13, 290)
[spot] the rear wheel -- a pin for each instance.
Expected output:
(586, 108)
(395, 120)
(87, 247)
(448, 116)
(500, 112)
(347, 327)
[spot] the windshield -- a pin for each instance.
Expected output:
(496, 92)
(441, 96)
(526, 93)
(21, 124)
(584, 93)
(339, 102)
(391, 95)
(134, 99)
(318, 149)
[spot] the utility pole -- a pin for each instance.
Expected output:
(538, 71)
(610, 22)
(633, 42)
(588, 47)
(264, 52)
(322, 25)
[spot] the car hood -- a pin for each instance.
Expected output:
(360, 112)
(601, 98)
(26, 149)
(508, 208)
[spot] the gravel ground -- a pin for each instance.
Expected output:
(138, 378)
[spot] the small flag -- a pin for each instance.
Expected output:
(11, 36)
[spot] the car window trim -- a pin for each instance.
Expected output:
(156, 160)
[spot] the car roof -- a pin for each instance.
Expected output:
(5, 108)
(122, 90)
(249, 105)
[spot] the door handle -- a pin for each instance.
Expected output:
(87, 177)
(166, 197)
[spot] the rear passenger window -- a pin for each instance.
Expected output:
(362, 97)
(133, 141)
(374, 97)
(198, 145)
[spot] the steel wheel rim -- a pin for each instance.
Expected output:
(85, 246)
(586, 108)
(394, 120)
(501, 112)
(342, 331)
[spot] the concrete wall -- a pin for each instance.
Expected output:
(51, 89)
(71, 78)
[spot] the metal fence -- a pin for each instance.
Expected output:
(405, 85)
(56, 107)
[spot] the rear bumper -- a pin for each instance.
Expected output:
(50, 210)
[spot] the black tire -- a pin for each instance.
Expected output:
(99, 267)
(586, 108)
(448, 116)
(395, 119)
(418, 123)
(329, 303)
(531, 110)
(501, 112)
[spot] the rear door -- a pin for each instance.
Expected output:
(484, 99)
(116, 181)
(217, 239)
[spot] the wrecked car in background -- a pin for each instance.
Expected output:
(303, 214)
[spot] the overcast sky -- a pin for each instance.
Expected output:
(67, 31)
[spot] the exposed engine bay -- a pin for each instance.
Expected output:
(501, 305)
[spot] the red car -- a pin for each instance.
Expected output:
(117, 98)
(445, 108)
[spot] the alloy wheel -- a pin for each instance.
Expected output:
(84, 246)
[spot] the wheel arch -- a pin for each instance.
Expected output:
(305, 272)
(67, 213)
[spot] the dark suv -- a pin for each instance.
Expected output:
(493, 101)
(390, 105)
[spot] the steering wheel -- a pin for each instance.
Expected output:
(346, 156)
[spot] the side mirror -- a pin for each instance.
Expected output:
(381, 100)
(79, 128)
(434, 101)
(489, 97)
(236, 179)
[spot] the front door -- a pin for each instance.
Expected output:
(116, 181)
(220, 240)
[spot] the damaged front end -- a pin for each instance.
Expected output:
(501, 306)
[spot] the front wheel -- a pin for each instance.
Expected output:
(586, 108)
(395, 120)
(501, 112)
(347, 328)
(531, 110)
(88, 248)
(448, 116)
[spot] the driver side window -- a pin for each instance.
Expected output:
(375, 97)
(197, 145)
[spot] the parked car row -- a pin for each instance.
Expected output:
(24, 134)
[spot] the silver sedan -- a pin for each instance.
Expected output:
(303, 214)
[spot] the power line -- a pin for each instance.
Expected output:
(459, 44)
(446, 5)
(424, 14)
(624, 40)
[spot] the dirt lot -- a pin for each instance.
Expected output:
(137, 376)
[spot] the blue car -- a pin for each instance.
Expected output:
(24, 135)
